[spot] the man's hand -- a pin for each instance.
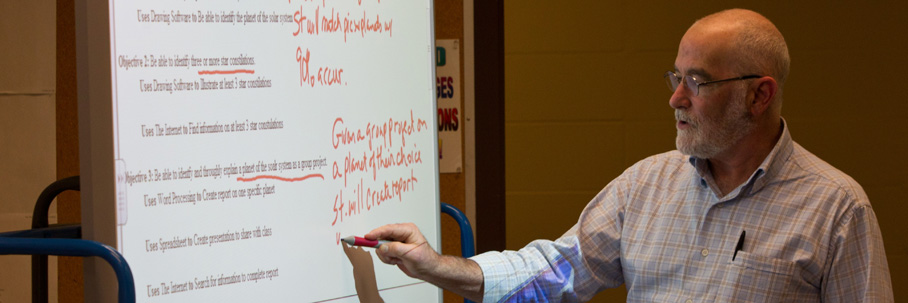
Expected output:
(413, 255)
(411, 252)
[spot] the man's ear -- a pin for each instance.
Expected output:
(764, 91)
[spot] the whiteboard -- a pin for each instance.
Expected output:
(228, 146)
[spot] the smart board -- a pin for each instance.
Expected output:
(228, 146)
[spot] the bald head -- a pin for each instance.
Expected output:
(752, 44)
(727, 46)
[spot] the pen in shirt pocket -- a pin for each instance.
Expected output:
(739, 246)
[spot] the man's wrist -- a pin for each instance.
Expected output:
(460, 275)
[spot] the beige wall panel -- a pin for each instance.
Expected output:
(896, 265)
(839, 25)
(645, 86)
(27, 151)
(888, 204)
(647, 138)
(562, 210)
(854, 146)
(563, 87)
(822, 84)
(573, 26)
(651, 25)
(27, 131)
(29, 30)
(563, 156)
(610, 296)
(659, 25)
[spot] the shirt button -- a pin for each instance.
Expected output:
(689, 301)
(704, 252)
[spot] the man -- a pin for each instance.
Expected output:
(739, 213)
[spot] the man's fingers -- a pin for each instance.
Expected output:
(403, 232)
(408, 249)
(396, 232)
(391, 250)
(380, 252)
(394, 251)
(388, 252)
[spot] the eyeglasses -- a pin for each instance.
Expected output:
(673, 80)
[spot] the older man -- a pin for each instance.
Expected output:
(739, 213)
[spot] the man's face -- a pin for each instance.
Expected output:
(718, 117)
(708, 132)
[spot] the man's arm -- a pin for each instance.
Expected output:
(573, 268)
(859, 271)
(413, 255)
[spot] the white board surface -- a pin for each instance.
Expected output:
(248, 137)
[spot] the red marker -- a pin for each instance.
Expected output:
(360, 241)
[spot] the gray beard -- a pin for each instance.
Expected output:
(706, 138)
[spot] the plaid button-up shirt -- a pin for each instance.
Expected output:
(661, 229)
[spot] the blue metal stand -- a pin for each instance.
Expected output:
(467, 248)
(76, 248)
(40, 224)
(61, 240)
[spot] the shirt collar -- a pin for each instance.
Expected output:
(767, 170)
(772, 165)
